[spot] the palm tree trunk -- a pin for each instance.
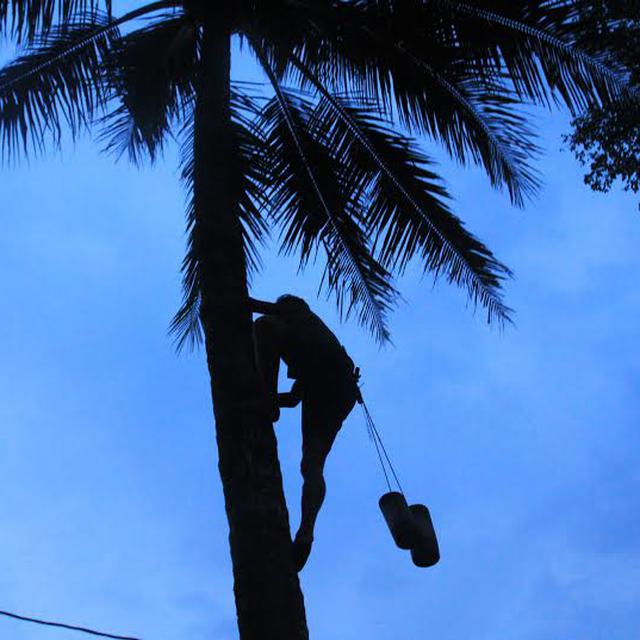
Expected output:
(268, 597)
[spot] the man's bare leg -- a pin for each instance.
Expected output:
(317, 439)
(322, 417)
(314, 490)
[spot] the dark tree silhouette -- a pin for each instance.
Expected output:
(324, 163)
(606, 137)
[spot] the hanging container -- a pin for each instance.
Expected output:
(425, 553)
(400, 520)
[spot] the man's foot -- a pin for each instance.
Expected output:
(301, 550)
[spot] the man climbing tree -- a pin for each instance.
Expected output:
(326, 382)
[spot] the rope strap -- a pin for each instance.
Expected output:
(374, 436)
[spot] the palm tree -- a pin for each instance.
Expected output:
(333, 164)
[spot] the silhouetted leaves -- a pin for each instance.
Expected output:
(57, 81)
(387, 186)
(32, 19)
(329, 169)
(248, 192)
(606, 138)
(317, 200)
(150, 73)
(444, 67)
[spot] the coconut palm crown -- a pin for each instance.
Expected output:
(326, 163)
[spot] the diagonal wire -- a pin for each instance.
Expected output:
(60, 625)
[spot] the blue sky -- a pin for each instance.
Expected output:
(524, 444)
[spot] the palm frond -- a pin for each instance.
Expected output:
(408, 207)
(150, 72)
(526, 45)
(541, 34)
(359, 283)
(100, 31)
(476, 122)
(31, 19)
(320, 209)
(248, 193)
(58, 81)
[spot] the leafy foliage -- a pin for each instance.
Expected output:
(325, 164)
(46, 88)
(29, 20)
(406, 210)
(248, 193)
(606, 138)
(317, 199)
(151, 73)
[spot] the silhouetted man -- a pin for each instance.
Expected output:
(326, 383)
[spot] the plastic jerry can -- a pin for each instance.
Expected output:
(400, 520)
(425, 553)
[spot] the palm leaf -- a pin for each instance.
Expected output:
(541, 33)
(359, 283)
(248, 197)
(353, 275)
(55, 82)
(32, 19)
(59, 80)
(476, 122)
(150, 71)
(526, 44)
(410, 207)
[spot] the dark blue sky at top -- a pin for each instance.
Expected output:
(524, 443)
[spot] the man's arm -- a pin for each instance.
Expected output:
(260, 306)
(292, 398)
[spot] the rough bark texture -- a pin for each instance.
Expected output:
(268, 596)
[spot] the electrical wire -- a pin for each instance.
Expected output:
(60, 625)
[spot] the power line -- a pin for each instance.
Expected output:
(60, 625)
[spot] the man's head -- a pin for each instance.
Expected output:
(292, 304)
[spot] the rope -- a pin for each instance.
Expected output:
(61, 625)
(374, 435)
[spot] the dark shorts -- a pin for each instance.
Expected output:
(324, 408)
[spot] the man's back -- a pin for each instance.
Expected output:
(312, 351)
